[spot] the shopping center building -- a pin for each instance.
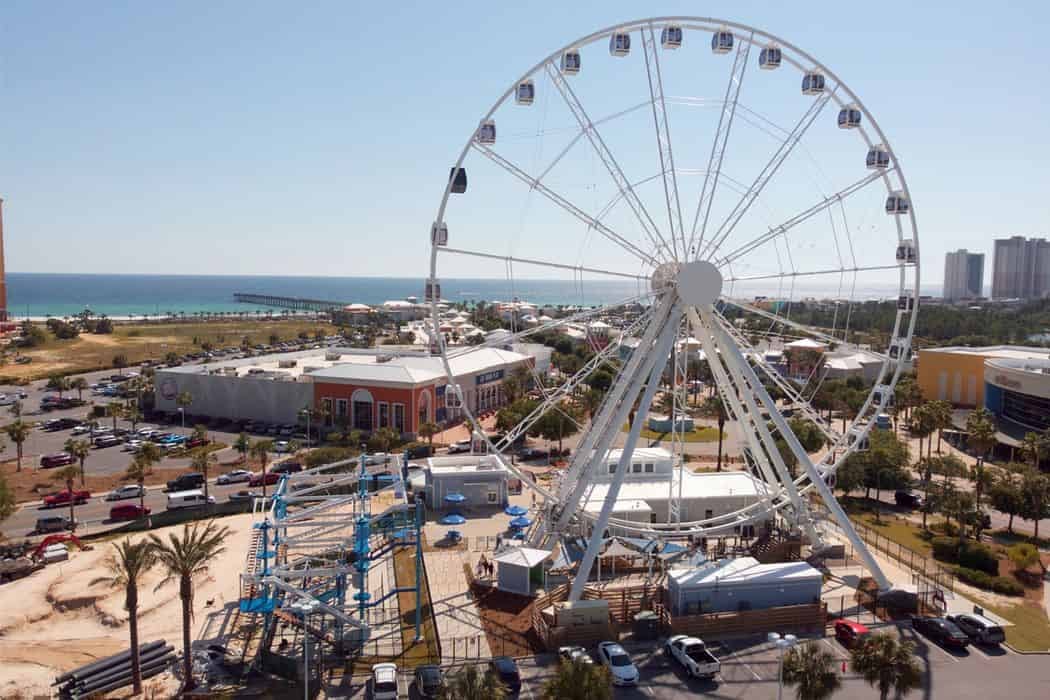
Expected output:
(1013, 382)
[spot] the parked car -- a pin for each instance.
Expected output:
(573, 654)
(122, 492)
(529, 454)
(53, 523)
(241, 496)
(103, 441)
(979, 628)
(128, 511)
(505, 669)
(62, 498)
(615, 658)
(81, 429)
(133, 445)
(908, 498)
(281, 446)
(385, 682)
(286, 468)
(237, 476)
(188, 499)
(941, 631)
(378, 458)
(850, 633)
(268, 479)
(430, 679)
(58, 459)
(61, 424)
(693, 655)
(459, 446)
(196, 442)
(185, 482)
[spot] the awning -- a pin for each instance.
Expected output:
(522, 556)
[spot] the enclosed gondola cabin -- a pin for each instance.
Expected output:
(620, 44)
(525, 92)
(671, 37)
(812, 83)
(849, 117)
(432, 290)
(878, 157)
(487, 133)
(858, 440)
(458, 177)
(882, 396)
(439, 234)
(900, 351)
(570, 62)
(722, 41)
(905, 302)
(897, 203)
(906, 251)
(769, 58)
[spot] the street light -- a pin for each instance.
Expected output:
(305, 608)
(182, 414)
(786, 642)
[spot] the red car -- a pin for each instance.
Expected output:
(257, 479)
(59, 459)
(62, 498)
(128, 511)
(196, 442)
(850, 633)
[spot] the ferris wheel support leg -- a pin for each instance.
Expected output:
(610, 418)
(732, 358)
(817, 480)
(655, 364)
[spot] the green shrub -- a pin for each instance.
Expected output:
(974, 555)
(974, 577)
(945, 548)
(327, 455)
(1007, 586)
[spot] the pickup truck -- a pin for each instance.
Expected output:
(691, 652)
(62, 498)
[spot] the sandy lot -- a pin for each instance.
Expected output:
(63, 616)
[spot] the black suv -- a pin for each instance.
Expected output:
(908, 499)
(286, 468)
(185, 482)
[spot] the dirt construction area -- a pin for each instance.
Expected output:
(66, 615)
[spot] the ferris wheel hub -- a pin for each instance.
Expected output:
(699, 283)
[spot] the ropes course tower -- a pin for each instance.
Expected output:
(739, 251)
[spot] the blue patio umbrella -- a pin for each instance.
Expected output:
(455, 497)
(453, 519)
(520, 521)
(516, 510)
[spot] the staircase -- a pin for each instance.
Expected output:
(775, 546)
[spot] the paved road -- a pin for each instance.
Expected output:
(750, 670)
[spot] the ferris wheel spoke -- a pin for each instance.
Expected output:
(568, 206)
(663, 139)
(799, 218)
(544, 263)
(766, 175)
(652, 231)
(718, 145)
(811, 273)
(580, 135)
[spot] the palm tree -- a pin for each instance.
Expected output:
(78, 384)
(132, 414)
(80, 449)
(137, 471)
(200, 432)
(261, 451)
(68, 474)
(1034, 447)
(184, 400)
(19, 433)
(56, 382)
(982, 480)
(470, 684)
(715, 407)
(115, 411)
(942, 419)
(127, 564)
(885, 662)
(185, 558)
(202, 462)
(811, 669)
(575, 680)
(386, 438)
(243, 444)
(427, 431)
(980, 430)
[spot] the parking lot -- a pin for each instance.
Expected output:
(749, 669)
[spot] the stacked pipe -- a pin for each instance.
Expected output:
(114, 672)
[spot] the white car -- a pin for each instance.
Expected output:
(692, 654)
(146, 430)
(385, 685)
(133, 445)
(235, 477)
(615, 658)
(460, 446)
(80, 429)
(122, 492)
(572, 654)
(280, 447)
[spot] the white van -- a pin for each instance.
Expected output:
(187, 499)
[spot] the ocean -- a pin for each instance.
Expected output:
(44, 294)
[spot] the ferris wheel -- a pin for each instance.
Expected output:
(730, 213)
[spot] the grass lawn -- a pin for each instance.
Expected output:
(426, 652)
(141, 341)
(1031, 628)
(892, 526)
(702, 434)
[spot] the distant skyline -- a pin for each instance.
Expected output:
(259, 139)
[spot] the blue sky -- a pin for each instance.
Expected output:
(263, 138)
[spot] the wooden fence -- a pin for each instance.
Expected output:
(791, 618)
(625, 603)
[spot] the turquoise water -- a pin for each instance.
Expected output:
(40, 294)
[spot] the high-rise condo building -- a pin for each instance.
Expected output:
(1021, 268)
(963, 275)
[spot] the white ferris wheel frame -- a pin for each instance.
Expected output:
(720, 339)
